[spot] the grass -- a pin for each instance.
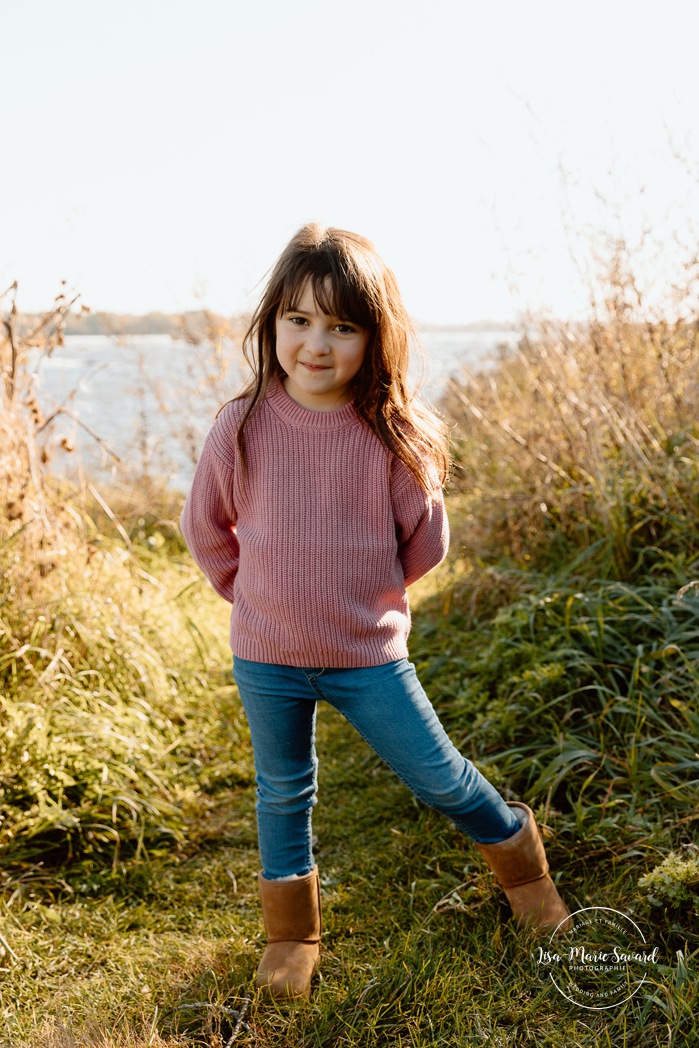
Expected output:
(560, 646)
(584, 697)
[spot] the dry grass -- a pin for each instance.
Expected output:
(55, 1034)
(583, 443)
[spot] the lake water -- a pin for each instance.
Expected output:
(151, 398)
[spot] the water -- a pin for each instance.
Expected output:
(150, 399)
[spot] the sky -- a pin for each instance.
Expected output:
(159, 154)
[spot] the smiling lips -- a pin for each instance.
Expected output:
(315, 367)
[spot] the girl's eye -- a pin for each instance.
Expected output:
(346, 329)
(298, 320)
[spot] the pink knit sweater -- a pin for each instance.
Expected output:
(315, 549)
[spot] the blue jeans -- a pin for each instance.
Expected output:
(389, 708)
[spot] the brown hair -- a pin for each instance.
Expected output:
(349, 280)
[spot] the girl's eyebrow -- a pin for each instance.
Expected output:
(294, 309)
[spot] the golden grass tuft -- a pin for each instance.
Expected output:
(584, 440)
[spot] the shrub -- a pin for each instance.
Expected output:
(675, 881)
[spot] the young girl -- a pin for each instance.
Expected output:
(316, 501)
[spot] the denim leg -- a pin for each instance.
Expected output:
(280, 707)
(390, 709)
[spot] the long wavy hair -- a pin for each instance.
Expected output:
(349, 280)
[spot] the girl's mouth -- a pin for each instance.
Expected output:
(315, 367)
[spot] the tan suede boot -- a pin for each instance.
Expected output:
(520, 867)
(291, 910)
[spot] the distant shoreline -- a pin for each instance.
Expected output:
(193, 325)
(198, 325)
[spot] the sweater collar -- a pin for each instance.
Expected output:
(305, 418)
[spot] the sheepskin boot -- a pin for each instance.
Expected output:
(520, 867)
(291, 911)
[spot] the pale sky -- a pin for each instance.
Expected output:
(158, 154)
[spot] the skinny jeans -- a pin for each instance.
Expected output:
(389, 708)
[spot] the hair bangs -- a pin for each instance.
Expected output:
(339, 289)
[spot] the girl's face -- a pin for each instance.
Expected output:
(321, 354)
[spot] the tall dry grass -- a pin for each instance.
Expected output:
(583, 444)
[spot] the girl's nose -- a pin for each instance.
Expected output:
(318, 342)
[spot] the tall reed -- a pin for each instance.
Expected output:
(584, 441)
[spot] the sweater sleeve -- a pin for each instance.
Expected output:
(209, 517)
(422, 526)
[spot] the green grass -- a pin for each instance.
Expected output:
(584, 696)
